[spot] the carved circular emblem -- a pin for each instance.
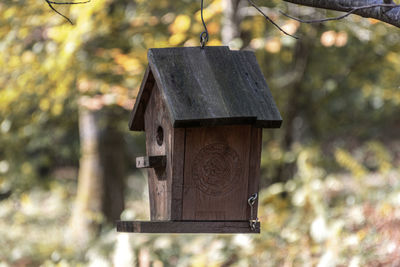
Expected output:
(216, 169)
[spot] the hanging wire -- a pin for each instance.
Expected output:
(203, 35)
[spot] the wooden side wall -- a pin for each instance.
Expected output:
(163, 196)
(254, 166)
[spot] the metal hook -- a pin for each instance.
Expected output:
(251, 201)
(204, 34)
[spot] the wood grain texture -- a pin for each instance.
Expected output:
(159, 186)
(257, 93)
(216, 173)
(151, 162)
(210, 87)
(165, 184)
(136, 121)
(254, 167)
(222, 227)
(175, 172)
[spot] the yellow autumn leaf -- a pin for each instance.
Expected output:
(56, 109)
(176, 39)
(44, 104)
(180, 25)
(218, 6)
(28, 57)
(213, 28)
(214, 42)
(393, 58)
(361, 234)
(130, 64)
(346, 160)
(25, 199)
(206, 15)
(10, 12)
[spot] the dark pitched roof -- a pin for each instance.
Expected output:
(207, 87)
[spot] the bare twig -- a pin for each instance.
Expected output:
(270, 20)
(51, 3)
(68, 3)
(55, 10)
(340, 17)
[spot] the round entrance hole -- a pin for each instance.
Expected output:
(160, 136)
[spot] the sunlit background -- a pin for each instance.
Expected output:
(330, 176)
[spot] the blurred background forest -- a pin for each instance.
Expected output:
(330, 191)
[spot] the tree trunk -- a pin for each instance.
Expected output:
(113, 156)
(100, 181)
(231, 21)
(295, 103)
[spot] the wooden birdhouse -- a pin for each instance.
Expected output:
(203, 111)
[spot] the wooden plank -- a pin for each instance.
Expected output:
(254, 169)
(136, 121)
(159, 187)
(213, 86)
(216, 173)
(176, 172)
(165, 185)
(151, 162)
(256, 89)
(221, 227)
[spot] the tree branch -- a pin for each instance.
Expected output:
(59, 13)
(386, 6)
(269, 19)
(387, 14)
(67, 3)
(51, 3)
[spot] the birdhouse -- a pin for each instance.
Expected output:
(203, 111)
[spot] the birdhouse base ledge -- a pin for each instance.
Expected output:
(188, 227)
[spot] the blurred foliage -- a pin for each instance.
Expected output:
(339, 207)
(49, 66)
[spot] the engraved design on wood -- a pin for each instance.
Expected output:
(216, 169)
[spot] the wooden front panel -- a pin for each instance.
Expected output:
(216, 173)
(158, 143)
